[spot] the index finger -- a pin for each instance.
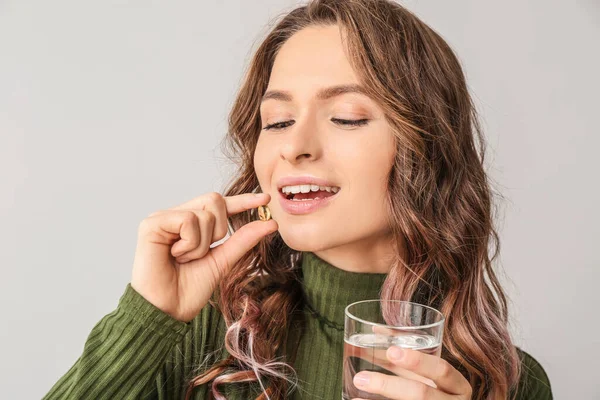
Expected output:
(399, 369)
(246, 201)
(440, 371)
(379, 357)
(222, 207)
(233, 204)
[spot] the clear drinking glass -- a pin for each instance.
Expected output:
(372, 326)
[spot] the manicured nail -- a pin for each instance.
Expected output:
(395, 353)
(361, 379)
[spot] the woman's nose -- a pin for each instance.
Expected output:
(301, 142)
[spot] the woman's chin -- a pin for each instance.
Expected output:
(304, 239)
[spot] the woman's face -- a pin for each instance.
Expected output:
(351, 229)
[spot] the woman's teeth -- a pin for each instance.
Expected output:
(308, 188)
(298, 192)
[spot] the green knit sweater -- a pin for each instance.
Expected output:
(139, 352)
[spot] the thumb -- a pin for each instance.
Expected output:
(242, 240)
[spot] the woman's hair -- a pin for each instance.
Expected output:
(439, 205)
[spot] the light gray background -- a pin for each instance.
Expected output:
(112, 110)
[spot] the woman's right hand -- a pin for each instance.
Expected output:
(174, 267)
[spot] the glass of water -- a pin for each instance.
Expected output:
(372, 326)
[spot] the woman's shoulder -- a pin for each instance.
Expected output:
(534, 383)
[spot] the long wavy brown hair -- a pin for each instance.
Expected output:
(439, 202)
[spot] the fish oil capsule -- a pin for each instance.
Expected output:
(264, 213)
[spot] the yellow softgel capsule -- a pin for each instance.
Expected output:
(264, 213)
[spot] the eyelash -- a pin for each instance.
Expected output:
(351, 122)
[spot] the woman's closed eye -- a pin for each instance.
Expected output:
(350, 122)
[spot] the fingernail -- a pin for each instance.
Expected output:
(361, 379)
(258, 194)
(395, 353)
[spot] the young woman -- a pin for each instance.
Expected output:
(354, 125)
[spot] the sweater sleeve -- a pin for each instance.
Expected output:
(123, 353)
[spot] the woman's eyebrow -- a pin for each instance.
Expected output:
(322, 94)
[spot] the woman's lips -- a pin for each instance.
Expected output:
(299, 207)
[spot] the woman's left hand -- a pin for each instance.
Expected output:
(451, 384)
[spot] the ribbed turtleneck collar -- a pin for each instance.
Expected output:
(329, 289)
